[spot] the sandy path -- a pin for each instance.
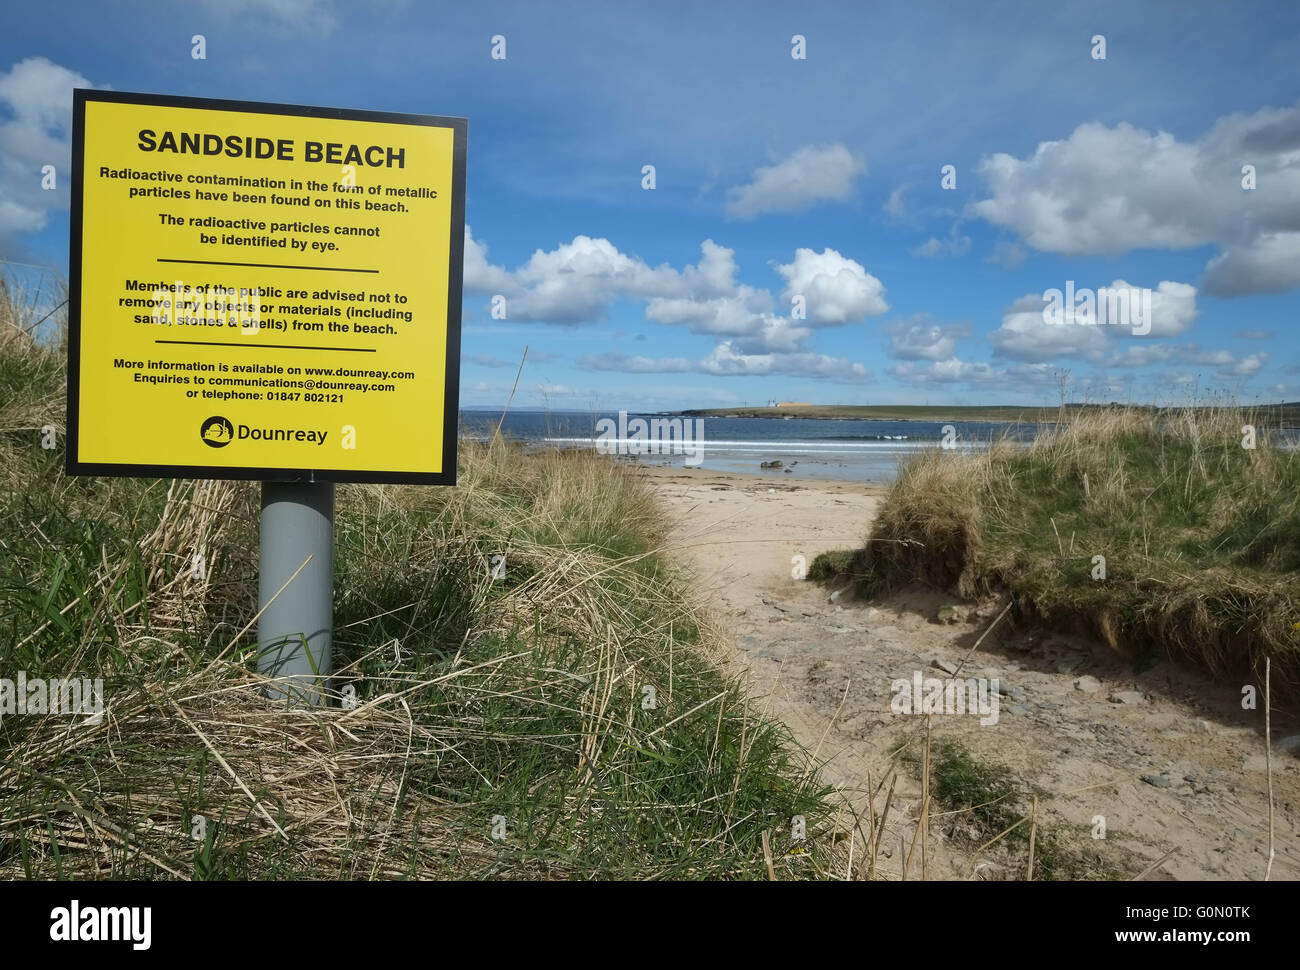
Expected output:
(826, 669)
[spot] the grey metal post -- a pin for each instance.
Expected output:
(295, 629)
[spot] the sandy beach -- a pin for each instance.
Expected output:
(1166, 760)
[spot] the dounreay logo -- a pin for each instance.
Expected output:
(217, 432)
(99, 924)
(658, 436)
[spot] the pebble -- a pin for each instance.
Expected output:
(1018, 709)
(947, 666)
(1159, 781)
(1126, 697)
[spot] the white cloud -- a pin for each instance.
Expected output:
(736, 314)
(1269, 263)
(1111, 190)
(977, 374)
(37, 94)
(1248, 366)
(954, 245)
(1102, 190)
(578, 282)
(811, 175)
(836, 289)
(728, 360)
(1173, 309)
(895, 207)
(1025, 335)
(479, 275)
(1144, 354)
(919, 340)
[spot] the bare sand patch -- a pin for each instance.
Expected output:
(1080, 723)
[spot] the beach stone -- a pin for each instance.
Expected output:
(1158, 781)
(1019, 710)
(1087, 684)
(947, 666)
(1291, 743)
(1126, 697)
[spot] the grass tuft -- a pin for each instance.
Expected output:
(573, 704)
(1200, 536)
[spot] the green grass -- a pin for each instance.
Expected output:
(985, 803)
(522, 698)
(1200, 537)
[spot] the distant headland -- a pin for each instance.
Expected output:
(1277, 415)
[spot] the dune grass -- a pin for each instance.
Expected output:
(1198, 535)
(988, 811)
(572, 704)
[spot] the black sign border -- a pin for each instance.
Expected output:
(451, 392)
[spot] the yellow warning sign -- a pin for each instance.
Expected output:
(264, 291)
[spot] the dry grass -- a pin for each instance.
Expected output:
(1200, 535)
(522, 699)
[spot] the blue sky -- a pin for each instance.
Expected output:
(779, 182)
